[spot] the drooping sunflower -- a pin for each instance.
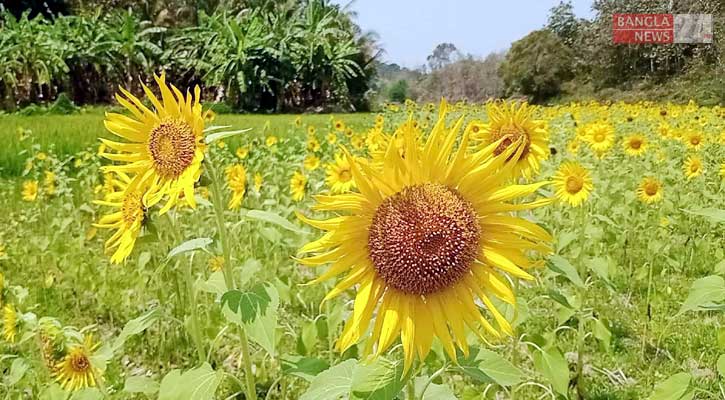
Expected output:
(127, 218)
(514, 123)
(165, 147)
(76, 371)
(298, 186)
(600, 137)
(237, 181)
(311, 162)
(426, 241)
(573, 183)
(649, 190)
(30, 190)
(339, 175)
(635, 145)
(10, 323)
(692, 167)
(694, 140)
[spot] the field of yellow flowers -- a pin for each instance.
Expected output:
(429, 251)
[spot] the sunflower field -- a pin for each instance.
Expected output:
(429, 251)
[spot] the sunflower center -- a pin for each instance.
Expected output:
(345, 175)
(172, 145)
(599, 137)
(132, 208)
(424, 238)
(694, 167)
(510, 135)
(695, 141)
(635, 144)
(79, 362)
(574, 184)
(651, 188)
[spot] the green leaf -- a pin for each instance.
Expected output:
(53, 392)
(600, 266)
(248, 270)
(266, 216)
(215, 284)
(561, 299)
(140, 384)
(332, 384)
(721, 365)
(190, 245)
(17, 370)
(309, 336)
(720, 267)
(602, 333)
(304, 367)
(259, 308)
(676, 387)
(196, 384)
(434, 391)
(143, 259)
(87, 394)
(561, 266)
(221, 135)
(704, 291)
(715, 215)
(564, 239)
(489, 367)
(553, 366)
(379, 380)
(136, 326)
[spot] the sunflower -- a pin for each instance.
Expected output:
(694, 140)
(271, 140)
(573, 146)
(242, 152)
(30, 190)
(298, 122)
(693, 167)
(216, 263)
(331, 138)
(514, 123)
(166, 145)
(311, 162)
(379, 121)
(237, 182)
(339, 175)
(76, 371)
(572, 183)
(722, 170)
(600, 137)
(10, 323)
(297, 185)
(650, 190)
(339, 126)
(635, 145)
(41, 156)
(313, 144)
(426, 241)
(127, 219)
(311, 130)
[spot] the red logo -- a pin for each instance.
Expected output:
(643, 28)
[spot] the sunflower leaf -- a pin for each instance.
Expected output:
(199, 384)
(715, 215)
(563, 267)
(136, 326)
(553, 366)
(222, 135)
(190, 245)
(704, 292)
(382, 379)
(489, 367)
(304, 367)
(266, 216)
(676, 387)
(333, 384)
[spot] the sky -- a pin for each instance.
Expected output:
(409, 30)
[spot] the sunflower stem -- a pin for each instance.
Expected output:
(581, 335)
(194, 314)
(217, 200)
(411, 388)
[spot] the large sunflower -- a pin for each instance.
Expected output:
(127, 219)
(514, 123)
(635, 145)
(427, 240)
(600, 137)
(76, 371)
(165, 147)
(339, 176)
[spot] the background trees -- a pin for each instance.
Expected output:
(257, 55)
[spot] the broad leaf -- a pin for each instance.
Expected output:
(553, 366)
(381, 379)
(676, 387)
(304, 367)
(433, 391)
(190, 245)
(704, 291)
(266, 216)
(332, 384)
(561, 266)
(489, 367)
(140, 384)
(196, 384)
(136, 326)
(715, 215)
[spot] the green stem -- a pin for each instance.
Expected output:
(580, 331)
(432, 377)
(411, 388)
(194, 314)
(218, 201)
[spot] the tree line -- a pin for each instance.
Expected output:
(251, 55)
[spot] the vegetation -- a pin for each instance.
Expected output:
(290, 55)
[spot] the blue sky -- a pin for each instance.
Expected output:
(410, 29)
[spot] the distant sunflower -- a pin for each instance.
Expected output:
(426, 242)
(572, 183)
(514, 123)
(331, 138)
(635, 145)
(339, 126)
(694, 140)
(216, 263)
(166, 145)
(312, 144)
(297, 186)
(722, 170)
(311, 162)
(237, 181)
(311, 130)
(271, 140)
(258, 181)
(10, 323)
(242, 152)
(573, 146)
(127, 219)
(650, 190)
(76, 371)
(298, 122)
(693, 167)
(600, 137)
(30, 190)
(339, 175)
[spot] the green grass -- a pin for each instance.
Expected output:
(66, 135)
